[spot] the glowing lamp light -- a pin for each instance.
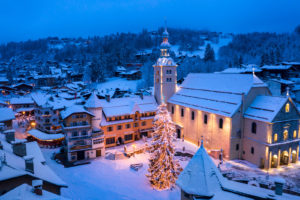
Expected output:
(33, 124)
(23, 112)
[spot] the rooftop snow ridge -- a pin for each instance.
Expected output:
(208, 99)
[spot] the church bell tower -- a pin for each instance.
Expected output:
(165, 72)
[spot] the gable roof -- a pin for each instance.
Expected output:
(15, 166)
(216, 93)
(21, 100)
(74, 109)
(203, 179)
(6, 114)
(265, 108)
(25, 192)
(128, 105)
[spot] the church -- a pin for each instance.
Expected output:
(233, 112)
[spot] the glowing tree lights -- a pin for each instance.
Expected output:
(163, 169)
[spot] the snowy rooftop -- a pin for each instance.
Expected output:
(45, 136)
(216, 93)
(16, 165)
(265, 108)
(47, 100)
(276, 67)
(128, 105)
(6, 114)
(93, 101)
(240, 70)
(72, 110)
(203, 179)
(25, 192)
(283, 81)
(21, 100)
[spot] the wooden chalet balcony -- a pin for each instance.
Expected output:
(97, 133)
(80, 147)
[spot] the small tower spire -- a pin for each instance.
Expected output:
(165, 45)
(288, 91)
(253, 71)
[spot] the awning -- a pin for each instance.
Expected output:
(44, 136)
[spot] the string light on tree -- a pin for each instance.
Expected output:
(163, 168)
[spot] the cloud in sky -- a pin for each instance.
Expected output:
(22, 20)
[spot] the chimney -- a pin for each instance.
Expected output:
(107, 97)
(142, 95)
(19, 148)
(10, 135)
(37, 186)
(29, 165)
(279, 182)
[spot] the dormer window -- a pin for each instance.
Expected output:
(287, 108)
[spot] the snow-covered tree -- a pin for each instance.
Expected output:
(163, 168)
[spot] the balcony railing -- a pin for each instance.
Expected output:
(80, 147)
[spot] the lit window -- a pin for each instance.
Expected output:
(295, 134)
(285, 135)
(287, 107)
(275, 137)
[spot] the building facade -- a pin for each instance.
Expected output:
(217, 107)
(83, 141)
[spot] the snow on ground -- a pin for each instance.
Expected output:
(116, 82)
(201, 51)
(111, 179)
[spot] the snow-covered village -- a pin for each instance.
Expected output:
(162, 100)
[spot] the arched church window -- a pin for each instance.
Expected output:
(287, 107)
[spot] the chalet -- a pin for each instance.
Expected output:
(6, 117)
(23, 105)
(83, 141)
(46, 111)
(28, 192)
(127, 119)
(23, 87)
(123, 120)
(24, 162)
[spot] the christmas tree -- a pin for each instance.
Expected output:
(163, 169)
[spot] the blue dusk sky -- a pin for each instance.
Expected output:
(32, 19)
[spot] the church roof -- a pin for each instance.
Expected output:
(265, 108)
(216, 93)
(203, 179)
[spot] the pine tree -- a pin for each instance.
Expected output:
(163, 169)
(209, 54)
